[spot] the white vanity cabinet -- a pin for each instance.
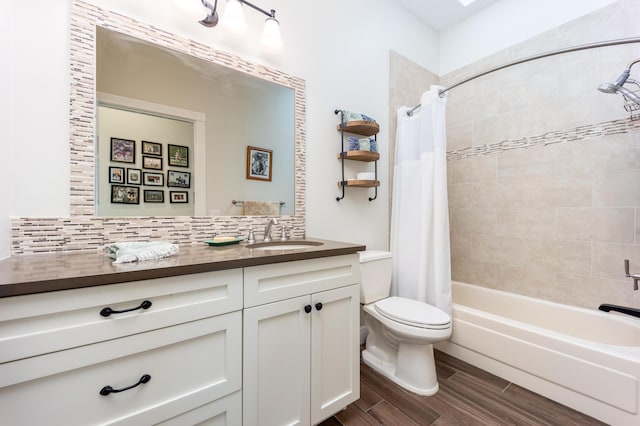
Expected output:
(301, 340)
(64, 361)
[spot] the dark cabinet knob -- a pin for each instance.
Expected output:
(307, 308)
(319, 306)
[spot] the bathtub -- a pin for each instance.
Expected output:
(585, 359)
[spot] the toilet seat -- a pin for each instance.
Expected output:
(413, 313)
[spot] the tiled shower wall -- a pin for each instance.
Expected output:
(544, 170)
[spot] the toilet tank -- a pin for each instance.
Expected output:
(375, 275)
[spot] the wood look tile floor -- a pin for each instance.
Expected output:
(467, 396)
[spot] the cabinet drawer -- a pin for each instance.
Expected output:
(279, 281)
(190, 365)
(226, 411)
(42, 323)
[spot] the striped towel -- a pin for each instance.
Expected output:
(260, 208)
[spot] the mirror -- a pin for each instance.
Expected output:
(235, 110)
(231, 116)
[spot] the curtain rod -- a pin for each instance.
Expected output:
(534, 57)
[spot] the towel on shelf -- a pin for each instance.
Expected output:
(361, 144)
(353, 116)
(261, 208)
(353, 143)
(135, 251)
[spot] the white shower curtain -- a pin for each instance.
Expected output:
(419, 212)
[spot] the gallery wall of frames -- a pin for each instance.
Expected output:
(140, 166)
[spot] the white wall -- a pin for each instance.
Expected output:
(40, 105)
(505, 23)
(6, 51)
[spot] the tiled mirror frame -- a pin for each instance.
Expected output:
(83, 230)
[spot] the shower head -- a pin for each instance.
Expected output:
(616, 87)
(608, 88)
(612, 88)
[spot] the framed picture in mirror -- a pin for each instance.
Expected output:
(178, 179)
(151, 148)
(151, 162)
(153, 179)
(134, 176)
(153, 196)
(178, 196)
(122, 194)
(178, 155)
(116, 175)
(123, 150)
(259, 162)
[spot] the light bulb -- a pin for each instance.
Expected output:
(271, 38)
(233, 18)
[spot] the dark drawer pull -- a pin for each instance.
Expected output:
(105, 312)
(108, 389)
(307, 308)
(319, 306)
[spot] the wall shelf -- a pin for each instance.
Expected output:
(361, 128)
(366, 156)
(360, 183)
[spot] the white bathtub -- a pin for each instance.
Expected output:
(585, 359)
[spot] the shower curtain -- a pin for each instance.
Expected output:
(419, 210)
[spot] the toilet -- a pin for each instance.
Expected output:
(401, 331)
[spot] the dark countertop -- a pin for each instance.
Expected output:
(40, 273)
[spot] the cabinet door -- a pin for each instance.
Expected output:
(335, 352)
(276, 363)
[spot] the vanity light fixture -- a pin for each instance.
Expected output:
(234, 19)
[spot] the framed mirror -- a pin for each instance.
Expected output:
(93, 32)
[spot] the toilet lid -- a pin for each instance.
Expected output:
(413, 312)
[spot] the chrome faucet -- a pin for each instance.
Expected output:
(267, 229)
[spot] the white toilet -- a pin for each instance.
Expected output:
(401, 331)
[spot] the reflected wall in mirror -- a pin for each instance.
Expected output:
(237, 110)
(230, 125)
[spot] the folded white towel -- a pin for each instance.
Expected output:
(135, 251)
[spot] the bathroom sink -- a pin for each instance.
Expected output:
(284, 245)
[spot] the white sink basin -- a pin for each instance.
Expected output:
(284, 245)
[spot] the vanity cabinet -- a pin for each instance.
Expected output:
(301, 340)
(66, 359)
